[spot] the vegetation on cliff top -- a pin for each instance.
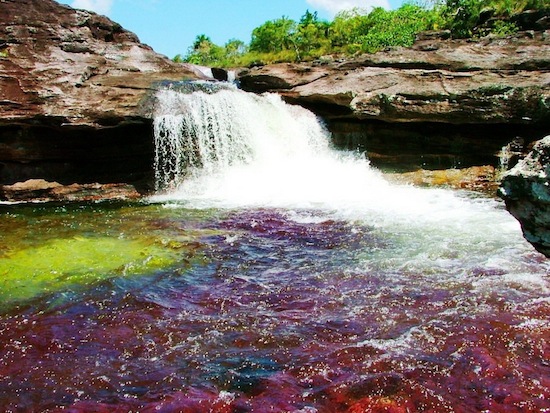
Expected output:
(356, 31)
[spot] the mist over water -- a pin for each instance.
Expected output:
(232, 149)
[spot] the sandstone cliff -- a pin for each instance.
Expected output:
(73, 88)
(66, 66)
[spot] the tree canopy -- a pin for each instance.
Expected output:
(359, 31)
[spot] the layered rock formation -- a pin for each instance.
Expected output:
(442, 103)
(73, 96)
(451, 81)
(526, 191)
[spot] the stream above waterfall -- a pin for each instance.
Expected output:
(270, 272)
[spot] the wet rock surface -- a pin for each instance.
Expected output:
(526, 191)
(40, 190)
(476, 178)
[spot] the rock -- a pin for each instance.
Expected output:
(495, 80)
(433, 35)
(39, 190)
(220, 74)
(526, 192)
(532, 19)
(75, 93)
(475, 178)
(74, 67)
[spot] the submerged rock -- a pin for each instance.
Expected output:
(526, 191)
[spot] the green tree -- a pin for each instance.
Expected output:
(235, 48)
(347, 30)
(462, 16)
(284, 40)
(274, 36)
(311, 35)
(205, 52)
(385, 28)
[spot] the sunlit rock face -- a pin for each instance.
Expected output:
(73, 96)
(449, 81)
(526, 190)
(61, 65)
(443, 103)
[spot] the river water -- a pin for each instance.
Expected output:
(270, 273)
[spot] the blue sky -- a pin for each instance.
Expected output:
(170, 26)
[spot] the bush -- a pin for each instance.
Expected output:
(468, 18)
(397, 28)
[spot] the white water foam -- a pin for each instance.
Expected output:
(234, 150)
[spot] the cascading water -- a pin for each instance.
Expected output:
(231, 149)
(220, 135)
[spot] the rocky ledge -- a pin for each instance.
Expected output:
(443, 103)
(495, 80)
(63, 66)
(39, 190)
(526, 191)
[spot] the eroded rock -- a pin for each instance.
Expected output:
(495, 80)
(475, 178)
(526, 191)
(75, 96)
(74, 67)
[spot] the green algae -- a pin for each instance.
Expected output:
(46, 250)
(62, 263)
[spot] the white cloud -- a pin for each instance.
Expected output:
(335, 6)
(99, 6)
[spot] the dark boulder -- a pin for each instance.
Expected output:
(526, 191)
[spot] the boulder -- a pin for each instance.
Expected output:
(526, 192)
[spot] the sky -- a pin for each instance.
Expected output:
(171, 26)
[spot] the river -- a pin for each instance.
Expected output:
(270, 272)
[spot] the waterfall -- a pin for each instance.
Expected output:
(209, 132)
(225, 148)
(192, 132)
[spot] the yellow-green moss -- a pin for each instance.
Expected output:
(62, 263)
